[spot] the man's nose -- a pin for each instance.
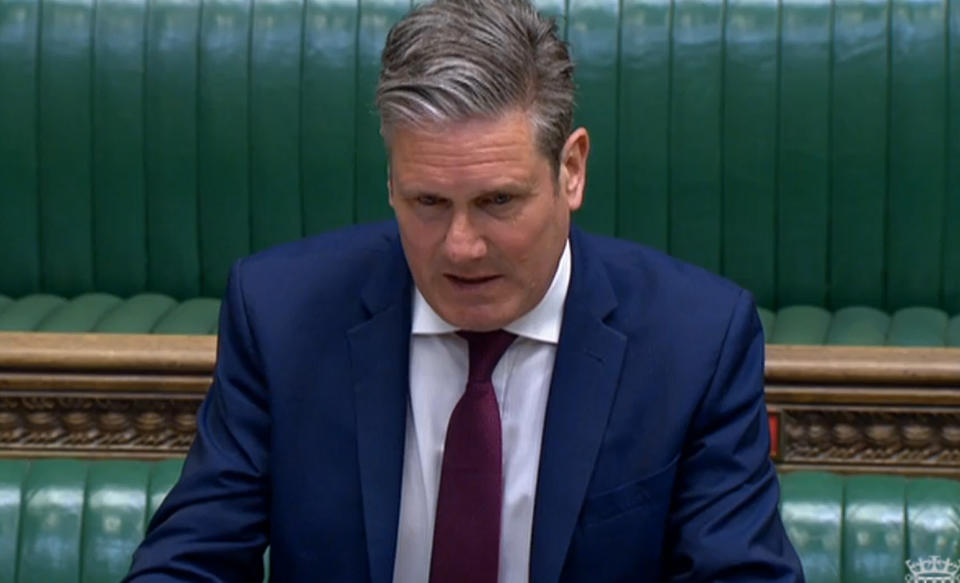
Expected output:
(463, 242)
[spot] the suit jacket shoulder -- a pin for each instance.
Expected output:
(323, 267)
(665, 301)
(322, 283)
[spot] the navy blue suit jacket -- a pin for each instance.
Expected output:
(655, 460)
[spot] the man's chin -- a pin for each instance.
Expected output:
(478, 320)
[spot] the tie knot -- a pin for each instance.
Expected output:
(486, 348)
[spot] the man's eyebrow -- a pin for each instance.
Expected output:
(512, 187)
(416, 193)
(516, 188)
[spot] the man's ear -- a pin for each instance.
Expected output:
(573, 167)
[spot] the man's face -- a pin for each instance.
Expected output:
(483, 217)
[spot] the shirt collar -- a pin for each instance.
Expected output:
(542, 323)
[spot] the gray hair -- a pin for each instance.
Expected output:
(455, 60)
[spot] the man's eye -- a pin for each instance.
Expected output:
(501, 198)
(428, 200)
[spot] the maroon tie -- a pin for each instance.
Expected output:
(466, 536)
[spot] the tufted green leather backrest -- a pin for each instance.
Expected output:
(68, 520)
(65, 520)
(863, 529)
(807, 149)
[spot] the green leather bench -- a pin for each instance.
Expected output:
(64, 520)
(801, 148)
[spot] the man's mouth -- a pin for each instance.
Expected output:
(469, 282)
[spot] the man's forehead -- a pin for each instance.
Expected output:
(505, 141)
(515, 122)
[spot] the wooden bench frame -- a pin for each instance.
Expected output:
(848, 409)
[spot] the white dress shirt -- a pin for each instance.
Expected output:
(438, 378)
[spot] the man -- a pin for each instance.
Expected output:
(478, 391)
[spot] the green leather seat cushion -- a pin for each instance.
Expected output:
(861, 326)
(160, 314)
(99, 312)
(68, 520)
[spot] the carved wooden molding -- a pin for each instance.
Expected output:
(136, 396)
(893, 439)
(101, 395)
(79, 424)
(875, 435)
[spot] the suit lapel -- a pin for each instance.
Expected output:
(588, 362)
(379, 350)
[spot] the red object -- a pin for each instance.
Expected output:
(774, 419)
(466, 536)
